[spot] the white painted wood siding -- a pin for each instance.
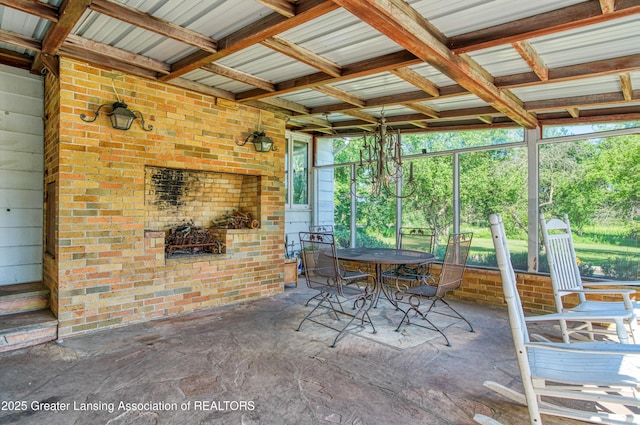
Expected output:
(21, 176)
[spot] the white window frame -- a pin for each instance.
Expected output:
(291, 139)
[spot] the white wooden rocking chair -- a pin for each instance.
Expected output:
(598, 373)
(566, 280)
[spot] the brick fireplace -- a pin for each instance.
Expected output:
(117, 192)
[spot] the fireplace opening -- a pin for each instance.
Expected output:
(188, 204)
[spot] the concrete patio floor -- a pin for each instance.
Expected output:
(245, 364)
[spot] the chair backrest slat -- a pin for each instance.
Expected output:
(454, 262)
(416, 238)
(561, 257)
(320, 261)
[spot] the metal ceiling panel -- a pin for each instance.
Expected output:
(310, 98)
(384, 84)
(501, 60)
(218, 81)
(458, 102)
(268, 64)
(596, 42)
(342, 38)
(582, 87)
(456, 17)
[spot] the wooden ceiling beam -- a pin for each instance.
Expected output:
(410, 30)
(70, 13)
(149, 22)
(33, 7)
(361, 115)
(607, 6)
(15, 59)
(631, 113)
(566, 18)
(240, 76)
(532, 58)
(20, 40)
(283, 7)
(103, 61)
(574, 112)
(573, 72)
(578, 101)
(340, 95)
(303, 55)
(269, 26)
(90, 46)
(203, 88)
(412, 77)
(286, 104)
(423, 109)
(626, 86)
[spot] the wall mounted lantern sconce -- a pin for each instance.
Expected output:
(260, 140)
(121, 117)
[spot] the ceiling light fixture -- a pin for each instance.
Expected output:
(381, 165)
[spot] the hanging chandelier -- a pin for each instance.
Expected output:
(381, 163)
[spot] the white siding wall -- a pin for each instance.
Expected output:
(21, 176)
(324, 205)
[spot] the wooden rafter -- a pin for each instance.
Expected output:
(301, 54)
(626, 86)
(134, 17)
(283, 7)
(574, 72)
(361, 115)
(577, 101)
(286, 104)
(607, 6)
(80, 53)
(340, 95)
(20, 40)
(90, 46)
(70, 13)
(391, 18)
(532, 58)
(240, 76)
(33, 7)
(417, 80)
(269, 26)
(15, 59)
(423, 109)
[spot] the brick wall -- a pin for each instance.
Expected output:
(485, 286)
(108, 271)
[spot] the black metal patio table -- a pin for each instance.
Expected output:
(380, 257)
